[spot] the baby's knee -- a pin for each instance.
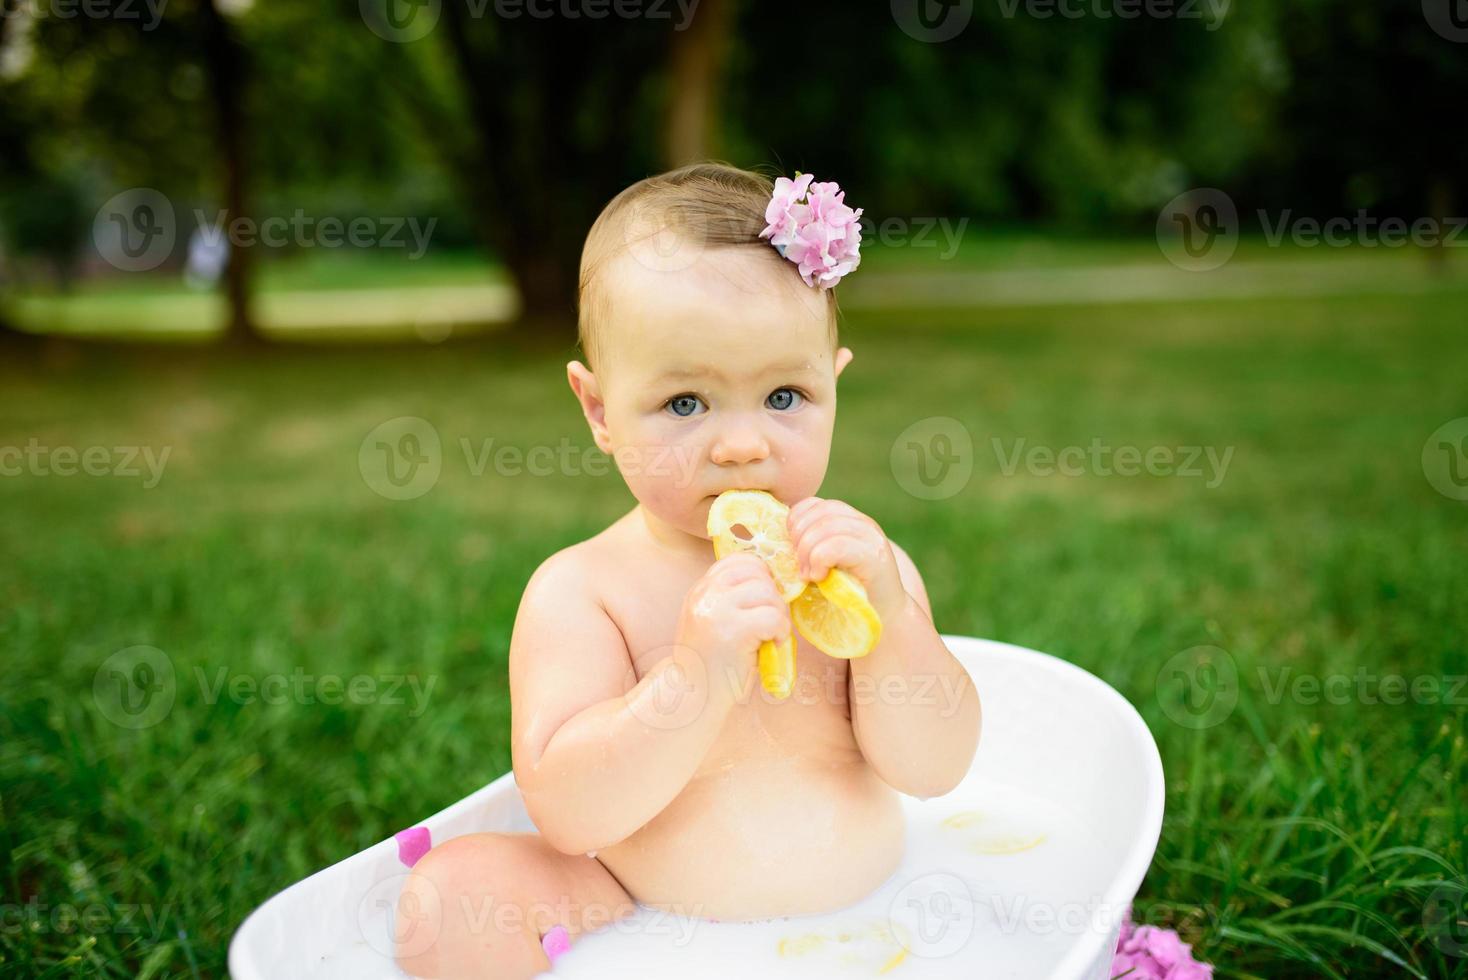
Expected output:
(456, 900)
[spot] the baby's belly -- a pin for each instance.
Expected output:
(765, 837)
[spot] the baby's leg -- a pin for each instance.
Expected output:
(478, 905)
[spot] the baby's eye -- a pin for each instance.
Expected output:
(783, 398)
(683, 405)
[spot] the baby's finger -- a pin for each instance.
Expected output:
(825, 530)
(771, 624)
(754, 592)
(737, 567)
(841, 551)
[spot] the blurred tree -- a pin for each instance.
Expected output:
(1368, 120)
(695, 83)
(113, 98)
(560, 119)
(225, 60)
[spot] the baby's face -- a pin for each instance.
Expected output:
(718, 376)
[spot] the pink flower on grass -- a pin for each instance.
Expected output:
(811, 226)
(1150, 953)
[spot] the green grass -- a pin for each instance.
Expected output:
(1301, 840)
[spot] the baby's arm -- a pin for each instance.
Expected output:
(596, 756)
(914, 709)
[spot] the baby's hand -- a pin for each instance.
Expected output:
(831, 534)
(729, 612)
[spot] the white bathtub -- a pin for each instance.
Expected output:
(1022, 871)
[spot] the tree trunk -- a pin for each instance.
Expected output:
(535, 181)
(697, 71)
(225, 58)
(1439, 206)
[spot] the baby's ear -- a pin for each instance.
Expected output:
(588, 392)
(843, 358)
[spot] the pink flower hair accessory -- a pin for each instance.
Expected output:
(810, 224)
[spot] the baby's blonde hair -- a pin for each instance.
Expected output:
(708, 204)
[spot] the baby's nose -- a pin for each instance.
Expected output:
(740, 444)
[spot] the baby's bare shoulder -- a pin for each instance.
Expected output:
(565, 651)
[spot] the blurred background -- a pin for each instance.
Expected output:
(1160, 350)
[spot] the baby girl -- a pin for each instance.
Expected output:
(651, 761)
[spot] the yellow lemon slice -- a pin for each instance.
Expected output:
(777, 666)
(754, 521)
(761, 519)
(835, 615)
